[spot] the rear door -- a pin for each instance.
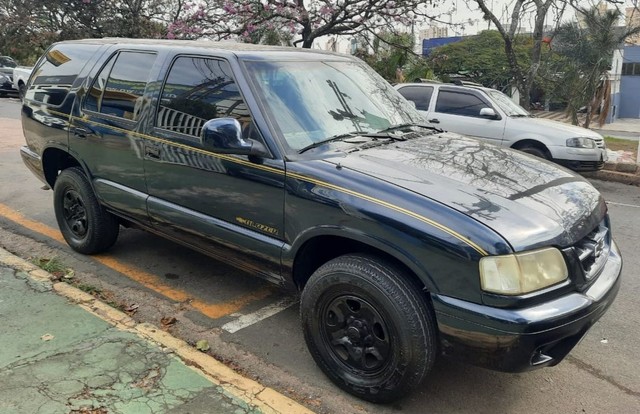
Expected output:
(230, 206)
(458, 110)
(107, 134)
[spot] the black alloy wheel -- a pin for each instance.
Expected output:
(85, 225)
(368, 327)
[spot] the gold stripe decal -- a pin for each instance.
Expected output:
(371, 199)
(395, 208)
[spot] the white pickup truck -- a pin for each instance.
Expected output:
(20, 77)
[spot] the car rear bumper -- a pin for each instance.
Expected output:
(515, 340)
(33, 162)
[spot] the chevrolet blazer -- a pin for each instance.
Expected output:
(308, 169)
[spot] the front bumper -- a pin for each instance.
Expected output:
(580, 159)
(515, 340)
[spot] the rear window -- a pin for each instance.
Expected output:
(56, 72)
(420, 95)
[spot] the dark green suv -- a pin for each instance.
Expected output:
(308, 169)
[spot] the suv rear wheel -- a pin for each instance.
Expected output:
(368, 328)
(86, 226)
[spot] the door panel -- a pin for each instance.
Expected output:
(225, 204)
(106, 136)
(459, 112)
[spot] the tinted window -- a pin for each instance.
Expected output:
(93, 100)
(459, 103)
(56, 72)
(196, 91)
(420, 95)
(125, 86)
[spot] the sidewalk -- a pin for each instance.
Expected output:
(65, 352)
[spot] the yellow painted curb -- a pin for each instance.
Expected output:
(265, 399)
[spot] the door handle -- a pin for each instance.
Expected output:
(152, 150)
(79, 132)
(434, 121)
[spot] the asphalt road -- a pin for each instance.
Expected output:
(229, 308)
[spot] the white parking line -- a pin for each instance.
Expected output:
(622, 204)
(261, 314)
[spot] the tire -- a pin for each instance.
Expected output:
(85, 225)
(22, 90)
(368, 328)
(538, 152)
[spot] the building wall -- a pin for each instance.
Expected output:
(629, 106)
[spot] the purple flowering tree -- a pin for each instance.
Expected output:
(303, 20)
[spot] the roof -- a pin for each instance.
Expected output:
(240, 49)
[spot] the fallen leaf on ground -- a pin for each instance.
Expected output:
(47, 337)
(131, 308)
(202, 345)
(168, 320)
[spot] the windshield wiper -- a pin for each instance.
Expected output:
(402, 126)
(338, 137)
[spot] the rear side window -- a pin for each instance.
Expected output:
(420, 95)
(459, 103)
(197, 90)
(56, 72)
(120, 85)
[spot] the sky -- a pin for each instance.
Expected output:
(469, 17)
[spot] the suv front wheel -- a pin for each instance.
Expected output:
(368, 328)
(85, 225)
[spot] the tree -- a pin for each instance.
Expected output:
(522, 75)
(586, 50)
(308, 19)
(481, 58)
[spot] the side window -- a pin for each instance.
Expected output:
(94, 97)
(420, 95)
(56, 71)
(197, 90)
(122, 93)
(459, 103)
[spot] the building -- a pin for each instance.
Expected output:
(632, 19)
(433, 32)
(629, 98)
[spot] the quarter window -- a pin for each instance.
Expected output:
(420, 95)
(459, 103)
(197, 90)
(57, 71)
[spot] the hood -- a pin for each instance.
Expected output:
(528, 201)
(549, 127)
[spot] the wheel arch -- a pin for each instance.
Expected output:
(531, 142)
(54, 160)
(319, 246)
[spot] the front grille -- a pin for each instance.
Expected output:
(593, 250)
(599, 142)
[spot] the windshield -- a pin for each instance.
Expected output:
(507, 105)
(7, 62)
(313, 101)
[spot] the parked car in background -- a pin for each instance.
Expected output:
(20, 77)
(308, 169)
(7, 64)
(492, 116)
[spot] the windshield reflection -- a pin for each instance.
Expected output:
(507, 105)
(310, 102)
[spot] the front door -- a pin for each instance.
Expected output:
(229, 206)
(459, 111)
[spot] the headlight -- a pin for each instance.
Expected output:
(4, 78)
(581, 143)
(519, 273)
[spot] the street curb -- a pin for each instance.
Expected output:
(616, 176)
(264, 398)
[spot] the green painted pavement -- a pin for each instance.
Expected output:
(57, 358)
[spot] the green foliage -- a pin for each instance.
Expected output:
(27, 28)
(583, 55)
(393, 58)
(481, 58)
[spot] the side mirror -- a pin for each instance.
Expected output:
(224, 135)
(488, 113)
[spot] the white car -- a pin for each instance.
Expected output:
(492, 116)
(20, 77)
